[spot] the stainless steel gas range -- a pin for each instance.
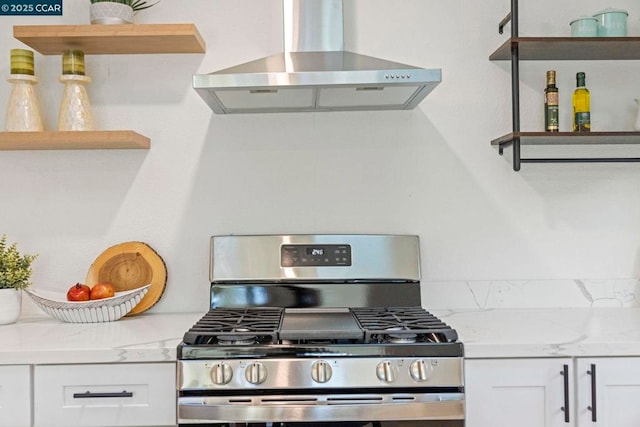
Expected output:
(319, 330)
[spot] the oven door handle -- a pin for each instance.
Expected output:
(262, 409)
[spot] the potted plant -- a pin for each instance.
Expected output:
(15, 271)
(116, 11)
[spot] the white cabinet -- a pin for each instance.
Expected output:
(105, 395)
(96, 395)
(613, 390)
(15, 396)
(534, 392)
(518, 392)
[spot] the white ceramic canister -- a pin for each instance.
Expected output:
(110, 12)
(612, 22)
(585, 26)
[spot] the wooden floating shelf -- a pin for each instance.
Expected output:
(569, 138)
(112, 39)
(73, 140)
(570, 48)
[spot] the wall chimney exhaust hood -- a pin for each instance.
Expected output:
(315, 73)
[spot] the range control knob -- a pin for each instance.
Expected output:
(255, 373)
(221, 373)
(386, 371)
(420, 370)
(321, 371)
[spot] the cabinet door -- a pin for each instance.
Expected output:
(15, 396)
(122, 394)
(518, 392)
(616, 384)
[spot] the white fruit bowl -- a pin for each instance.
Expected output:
(96, 311)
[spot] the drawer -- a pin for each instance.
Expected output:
(124, 394)
(15, 396)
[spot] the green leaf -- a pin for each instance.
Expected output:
(15, 269)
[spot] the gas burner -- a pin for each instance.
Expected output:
(235, 327)
(402, 338)
(238, 336)
(403, 325)
(237, 340)
(398, 335)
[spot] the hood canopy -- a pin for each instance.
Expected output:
(314, 73)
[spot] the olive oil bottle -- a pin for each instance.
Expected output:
(581, 105)
(551, 106)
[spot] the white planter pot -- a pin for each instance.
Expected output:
(107, 12)
(10, 305)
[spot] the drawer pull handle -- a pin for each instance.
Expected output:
(90, 395)
(565, 408)
(592, 407)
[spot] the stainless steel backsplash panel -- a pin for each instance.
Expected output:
(292, 295)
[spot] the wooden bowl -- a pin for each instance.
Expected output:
(131, 265)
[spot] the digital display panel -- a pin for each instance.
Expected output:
(315, 255)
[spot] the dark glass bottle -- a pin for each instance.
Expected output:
(551, 106)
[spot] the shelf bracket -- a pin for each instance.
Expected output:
(503, 23)
(502, 146)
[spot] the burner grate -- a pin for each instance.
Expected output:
(402, 324)
(381, 325)
(243, 326)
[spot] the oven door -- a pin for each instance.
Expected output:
(343, 409)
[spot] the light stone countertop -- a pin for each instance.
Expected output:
(492, 333)
(546, 332)
(143, 338)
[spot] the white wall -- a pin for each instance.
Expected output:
(429, 171)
